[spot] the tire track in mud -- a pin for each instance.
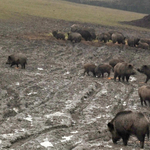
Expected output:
(23, 139)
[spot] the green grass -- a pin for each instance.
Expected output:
(60, 9)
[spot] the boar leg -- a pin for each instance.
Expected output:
(145, 102)
(147, 79)
(23, 66)
(127, 78)
(13, 63)
(125, 139)
(142, 101)
(141, 138)
(119, 78)
(94, 74)
(123, 78)
(142, 144)
(115, 76)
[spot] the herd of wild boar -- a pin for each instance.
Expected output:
(125, 123)
(87, 33)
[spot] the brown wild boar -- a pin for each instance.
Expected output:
(123, 70)
(143, 45)
(89, 68)
(145, 69)
(133, 41)
(103, 68)
(104, 37)
(128, 123)
(17, 59)
(114, 61)
(144, 94)
(74, 37)
(118, 37)
(145, 40)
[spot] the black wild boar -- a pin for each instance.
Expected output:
(145, 69)
(58, 35)
(89, 68)
(86, 35)
(114, 61)
(118, 37)
(74, 37)
(17, 59)
(133, 41)
(122, 70)
(144, 94)
(103, 68)
(128, 123)
(92, 32)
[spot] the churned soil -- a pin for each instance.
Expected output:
(50, 104)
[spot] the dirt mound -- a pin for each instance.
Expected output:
(144, 22)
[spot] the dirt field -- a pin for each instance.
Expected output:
(51, 104)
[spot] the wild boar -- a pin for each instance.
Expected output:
(145, 69)
(143, 45)
(92, 32)
(16, 59)
(104, 37)
(90, 67)
(144, 94)
(114, 61)
(76, 28)
(103, 68)
(145, 40)
(88, 33)
(122, 70)
(74, 37)
(118, 37)
(85, 34)
(58, 35)
(133, 41)
(127, 123)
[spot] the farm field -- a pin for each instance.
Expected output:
(51, 105)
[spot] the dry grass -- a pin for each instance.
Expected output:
(67, 11)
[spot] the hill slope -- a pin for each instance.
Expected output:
(140, 6)
(17, 9)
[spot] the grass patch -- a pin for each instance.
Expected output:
(64, 10)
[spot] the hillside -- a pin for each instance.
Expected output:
(143, 22)
(51, 104)
(18, 9)
(140, 6)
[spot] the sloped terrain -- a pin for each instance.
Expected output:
(144, 22)
(51, 104)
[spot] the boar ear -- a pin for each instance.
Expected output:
(130, 66)
(110, 126)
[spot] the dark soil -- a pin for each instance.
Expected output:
(144, 22)
(51, 104)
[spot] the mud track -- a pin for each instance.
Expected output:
(51, 104)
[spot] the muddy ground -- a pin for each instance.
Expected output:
(51, 105)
